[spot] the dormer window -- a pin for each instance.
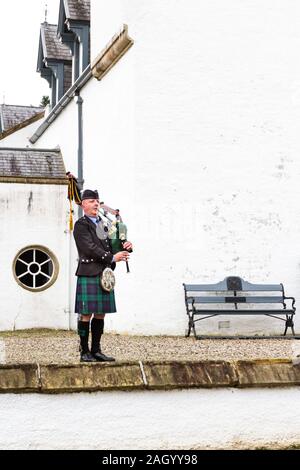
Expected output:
(74, 31)
(54, 62)
(64, 49)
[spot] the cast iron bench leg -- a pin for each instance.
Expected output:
(190, 326)
(289, 324)
(194, 329)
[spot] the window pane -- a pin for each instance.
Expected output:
(21, 268)
(47, 268)
(40, 256)
(27, 256)
(27, 280)
(40, 280)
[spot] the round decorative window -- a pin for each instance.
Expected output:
(35, 268)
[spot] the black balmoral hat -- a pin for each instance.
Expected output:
(89, 194)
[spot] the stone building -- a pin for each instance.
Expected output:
(35, 242)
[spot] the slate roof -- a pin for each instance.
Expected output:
(52, 47)
(31, 163)
(11, 115)
(78, 9)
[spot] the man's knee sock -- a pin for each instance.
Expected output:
(97, 326)
(83, 331)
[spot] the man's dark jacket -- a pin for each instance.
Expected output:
(94, 254)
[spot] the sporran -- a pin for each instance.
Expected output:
(108, 280)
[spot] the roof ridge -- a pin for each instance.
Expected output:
(22, 105)
(30, 149)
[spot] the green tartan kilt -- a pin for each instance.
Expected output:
(91, 298)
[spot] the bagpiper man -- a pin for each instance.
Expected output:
(94, 294)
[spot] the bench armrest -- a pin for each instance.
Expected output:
(293, 301)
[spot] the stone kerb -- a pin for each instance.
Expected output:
(152, 375)
(90, 377)
(19, 378)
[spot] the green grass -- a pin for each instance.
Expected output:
(35, 332)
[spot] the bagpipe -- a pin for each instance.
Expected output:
(115, 229)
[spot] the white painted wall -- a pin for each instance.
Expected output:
(33, 214)
(20, 138)
(193, 135)
(62, 133)
(216, 168)
(218, 418)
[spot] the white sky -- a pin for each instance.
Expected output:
(19, 40)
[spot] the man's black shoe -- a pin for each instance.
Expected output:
(87, 357)
(100, 357)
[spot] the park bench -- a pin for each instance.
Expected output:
(234, 296)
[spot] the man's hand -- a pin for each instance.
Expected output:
(121, 256)
(127, 246)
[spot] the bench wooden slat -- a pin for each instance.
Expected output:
(222, 287)
(213, 288)
(245, 312)
(238, 300)
(247, 286)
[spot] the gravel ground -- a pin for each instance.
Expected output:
(57, 346)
